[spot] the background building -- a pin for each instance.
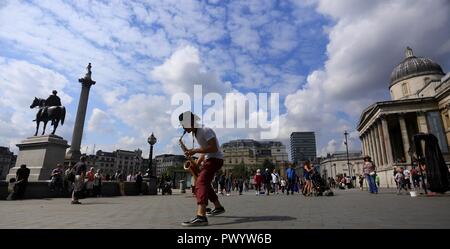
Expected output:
(127, 161)
(420, 103)
(336, 164)
(253, 153)
(7, 161)
(166, 161)
(303, 147)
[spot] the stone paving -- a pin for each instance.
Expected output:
(347, 209)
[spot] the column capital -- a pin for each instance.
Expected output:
(384, 116)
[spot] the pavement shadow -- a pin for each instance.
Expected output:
(248, 219)
(97, 203)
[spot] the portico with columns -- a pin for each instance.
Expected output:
(420, 104)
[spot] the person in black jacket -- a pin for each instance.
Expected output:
(139, 183)
(22, 175)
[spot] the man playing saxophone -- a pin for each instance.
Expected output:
(212, 159)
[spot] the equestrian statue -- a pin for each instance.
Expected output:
(50, 109)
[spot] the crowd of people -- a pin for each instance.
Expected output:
(75, 179)
(267, 182)
(84, 183)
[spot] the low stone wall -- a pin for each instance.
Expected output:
(40, 189)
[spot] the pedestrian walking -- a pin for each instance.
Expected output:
(138, 183)
(98, 178)
(307, 172)
(400, 180)
(369, 173)
(120, 178)
(267, 178)
(283, 185)
(89, 182)
(80, 173)
(275, 181)
(361, 182)
(240, 183)
(258, 179)
(407, 175)
(291, 178)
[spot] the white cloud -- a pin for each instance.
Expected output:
(183, 70)
(366, 42)
(100, 122)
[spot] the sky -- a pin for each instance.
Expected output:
(328, 60)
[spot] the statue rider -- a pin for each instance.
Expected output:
(53, 100)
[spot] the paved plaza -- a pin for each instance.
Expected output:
(347, 209)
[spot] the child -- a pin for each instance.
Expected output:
(400, 180)
(11, 188)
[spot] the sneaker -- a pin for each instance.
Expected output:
(196, 221)
(215, 211)
(75, 202)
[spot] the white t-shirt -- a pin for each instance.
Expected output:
(406, 173)
(203, 135)
(274, 178)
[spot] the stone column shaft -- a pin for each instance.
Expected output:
(371, 145)
(377, 145)
(374, 146)
(382, 145)
(80, 118)
(405, 137)
(387, 141)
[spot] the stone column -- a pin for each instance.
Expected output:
(422, 122)
(377, 145)
(387, 141)
(381, 140)
(366, 141)
(74, 153)
(363, 144)
(405, 137)
(371, 145)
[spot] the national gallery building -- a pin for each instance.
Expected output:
(420, 103)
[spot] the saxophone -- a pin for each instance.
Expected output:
(190, 164)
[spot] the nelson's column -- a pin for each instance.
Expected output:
(74, 153)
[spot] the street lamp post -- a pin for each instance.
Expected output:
(152, 141)
(348, 161)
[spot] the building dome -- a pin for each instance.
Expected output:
(413, 66)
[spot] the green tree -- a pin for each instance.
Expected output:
(268, 165)
(169, 172)
(240, 170)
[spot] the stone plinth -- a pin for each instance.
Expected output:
(41, 154)
(151, 185)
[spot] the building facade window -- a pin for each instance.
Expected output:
(405, 89)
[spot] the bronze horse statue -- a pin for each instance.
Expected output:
(55, 114)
